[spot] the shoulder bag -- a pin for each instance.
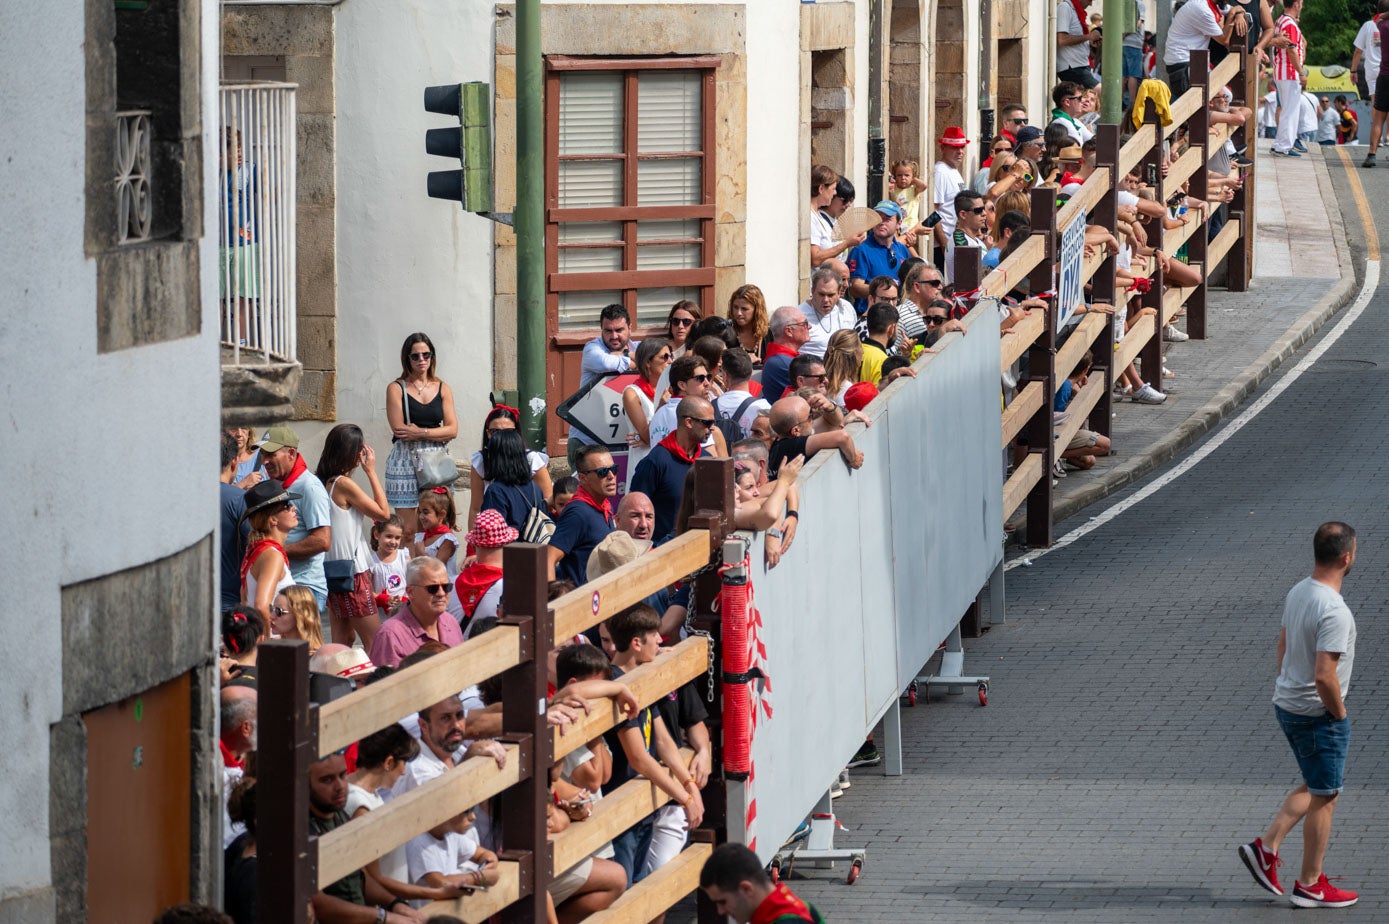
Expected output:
(433, 467)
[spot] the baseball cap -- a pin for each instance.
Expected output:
(277, 438)
(1028, 134)
(888, 208)
(860, 395)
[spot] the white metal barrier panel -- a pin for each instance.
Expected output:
(256, 236)
(884, 564)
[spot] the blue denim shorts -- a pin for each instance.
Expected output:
(1319, 743)
(1133, 62)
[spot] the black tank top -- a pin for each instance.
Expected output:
(423, 415)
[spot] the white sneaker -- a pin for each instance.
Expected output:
(1148, 395)
(844, 781)
(1171, 334)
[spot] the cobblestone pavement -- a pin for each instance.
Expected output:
(1129, 746)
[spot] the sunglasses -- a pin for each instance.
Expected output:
(682, 322)
(978, 211)
(603, 472)
(702, 377)
(1017, 121)
(930, 282)
(936, 319)
(278, 611)
(701, 420)
(432, 589)
(421, 357)
(821, 376)
(1002, 150)
(1071, 98)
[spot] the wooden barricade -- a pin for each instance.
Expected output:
(1027, 419)
(295, 732)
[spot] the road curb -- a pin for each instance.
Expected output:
(1232, 395)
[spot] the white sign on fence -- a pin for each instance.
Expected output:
(1068, 292)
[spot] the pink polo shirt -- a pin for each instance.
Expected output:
(402, 635)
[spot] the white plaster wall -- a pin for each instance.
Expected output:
(1041, 60)
(406, 262)
(141, 424)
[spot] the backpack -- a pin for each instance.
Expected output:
(538, 527)
(728, 424)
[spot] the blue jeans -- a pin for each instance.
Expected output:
(1133, 62)
(1319, 743)
(629, 848)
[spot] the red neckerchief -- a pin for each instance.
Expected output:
(473, 583)
(673, 445)
(1068, 178)
(299, 468)
(754, 388)
(776, 349)
(779, 906)
(1215, 11)
(582, 496)
(647, 388)
(228, 758)
(254, 551)
(1080, 14)
(437, 531)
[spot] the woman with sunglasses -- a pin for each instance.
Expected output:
(747, 309)
(1001, 146)
(483, 462)
(265, 569)
(426, 402)
(639, 400)
(683, 316)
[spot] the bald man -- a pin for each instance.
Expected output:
(661, 475)
(790, 331)
(793, 429)
(636, 516)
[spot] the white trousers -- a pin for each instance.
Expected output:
(1289, 113)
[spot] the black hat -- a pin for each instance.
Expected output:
(267, 494)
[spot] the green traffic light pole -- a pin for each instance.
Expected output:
(1112, 62)
(530, 223)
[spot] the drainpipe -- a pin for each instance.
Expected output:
(530, 223)
(1112, 61)
(988, 75)
(877, 144)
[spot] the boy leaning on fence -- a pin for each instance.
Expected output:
(739, 887)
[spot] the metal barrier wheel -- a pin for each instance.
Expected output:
(853, 872)
(983, 693)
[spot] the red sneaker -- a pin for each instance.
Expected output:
(1322, 895)
(1263, 865)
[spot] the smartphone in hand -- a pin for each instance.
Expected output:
(932, 220)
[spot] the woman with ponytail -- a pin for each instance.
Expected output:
(265, 569)
(242, 630)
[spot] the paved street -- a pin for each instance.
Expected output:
(1129, 746)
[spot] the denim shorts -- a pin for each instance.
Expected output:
(1133, 62)
(1319, 743)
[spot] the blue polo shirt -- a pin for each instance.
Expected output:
(580, 527)
(871, 259)
(661, 477)
(776, 374)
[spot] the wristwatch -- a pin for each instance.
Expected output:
(774, 532)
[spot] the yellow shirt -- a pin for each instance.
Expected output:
(871, 369)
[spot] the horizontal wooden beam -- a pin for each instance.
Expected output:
(1224, 72)
(1021, 409)
(1136, 148)
(1017, 267)
(1183, 108)
(1174, 238)
(1172, 301)
(1221, 244)
(371, 708)
(363, 839)
(1018, 339)
(1132, 343)
(1183, 168)
(1085, 199)
(614, 813)
(658, 892)
(1081, 339)
(650, 682)
(1077, 411)
(583, 608)
(480, 906)
(1022, 481)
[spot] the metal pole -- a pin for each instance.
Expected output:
(1112, 62)
(530, 222)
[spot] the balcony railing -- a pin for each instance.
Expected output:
(256, 230)
(133, 194)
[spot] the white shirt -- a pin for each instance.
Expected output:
(1307, 113)
(1070, 56)
(950, 245)
(1269, 110)
(1328, 122)
(1367, 40)
(393, 864)
(1075, 128)
(821, 231)
(948, 182)
(1192, 28)
(428, 854)
(729, 402)
(840, 317)
(1315, 618)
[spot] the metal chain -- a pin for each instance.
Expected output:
(689, 621)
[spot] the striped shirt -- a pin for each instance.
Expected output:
(1283, 68)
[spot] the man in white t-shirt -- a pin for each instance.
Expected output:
(1074, 40)
(1364, 60)
(947, 181)
(1193, 26)
(1066, 99)
(737, 403)
(971, 228)
(825, 311)
(1316, 650)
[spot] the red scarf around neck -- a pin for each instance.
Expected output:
(253, 553)
(781, 905)
(647, 388)
(1080, 15)
(582, 496)
(299, 468)
(673, 445)
(437, 531)
(473, 583)
(776, 349)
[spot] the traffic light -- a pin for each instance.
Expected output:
(470, 142)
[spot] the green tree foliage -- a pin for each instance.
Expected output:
(1330, 27)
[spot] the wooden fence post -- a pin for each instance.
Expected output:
(286, 874)
(1150, 357)
(524, 694)
(1041, 367)
(1102, 284)
(1239, 266)
(1198, 133)
(968, 270)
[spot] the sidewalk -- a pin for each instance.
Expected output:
(1302, 276)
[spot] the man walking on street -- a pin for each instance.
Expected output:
(1316, 650)
(1289, 68)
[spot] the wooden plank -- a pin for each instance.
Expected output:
(1089, 195)
(630, 279)
(1172, 301)
(577, 610)
(1182, 109)
(1090, 264)
(659, 891)
(1224, 72)
(1020, 338)
(1011, 271)
(1133, 341)
(1218, 248)
(478, 907)
(1182, 169)
(1174, 238)
(376, 833)
(1023, 480)
(650, 682)
(1077, 411)
(369, 709)
(614, 813)
(1135, 149)
(1081, 339)
(1020, 410)
(1219, 135)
